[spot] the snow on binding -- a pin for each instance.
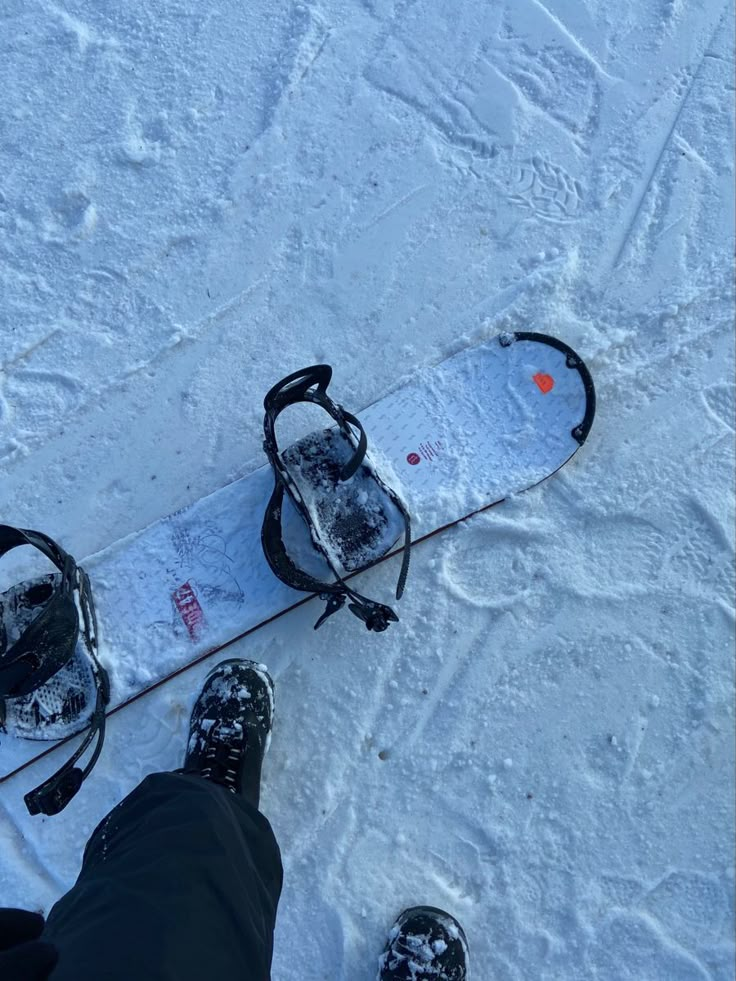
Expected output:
(51, 684)
(488, 422)
(354, 518)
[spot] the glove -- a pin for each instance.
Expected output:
(23, 957)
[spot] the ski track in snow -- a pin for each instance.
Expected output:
(194, 202)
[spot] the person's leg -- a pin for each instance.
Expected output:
(182, 880)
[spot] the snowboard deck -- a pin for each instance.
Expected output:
(486, 423)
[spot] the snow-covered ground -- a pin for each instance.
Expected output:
(196, 199)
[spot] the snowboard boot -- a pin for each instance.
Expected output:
(425, 944)
(230, 729)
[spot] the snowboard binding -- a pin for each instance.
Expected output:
(51, 684)
(354, 518)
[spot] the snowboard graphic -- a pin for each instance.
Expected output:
(488, 422)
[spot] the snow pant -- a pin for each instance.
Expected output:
(180, 882)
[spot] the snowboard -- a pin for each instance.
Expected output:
(460, 437)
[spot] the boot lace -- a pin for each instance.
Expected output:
(223, 755)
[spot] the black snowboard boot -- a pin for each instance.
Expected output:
(230, 728)
(425, 944)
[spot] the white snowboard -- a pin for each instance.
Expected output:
(488, 422)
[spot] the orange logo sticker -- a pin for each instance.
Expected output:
(545, 383)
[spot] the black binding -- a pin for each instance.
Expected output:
(310, 385)
(44, 647)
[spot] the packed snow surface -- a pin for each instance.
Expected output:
(197, 199)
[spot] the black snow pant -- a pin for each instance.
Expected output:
(180, 882)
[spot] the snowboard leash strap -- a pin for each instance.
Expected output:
(45, 646)
(310, 385)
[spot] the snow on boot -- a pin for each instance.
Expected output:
(230, 729)
(425, 944)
